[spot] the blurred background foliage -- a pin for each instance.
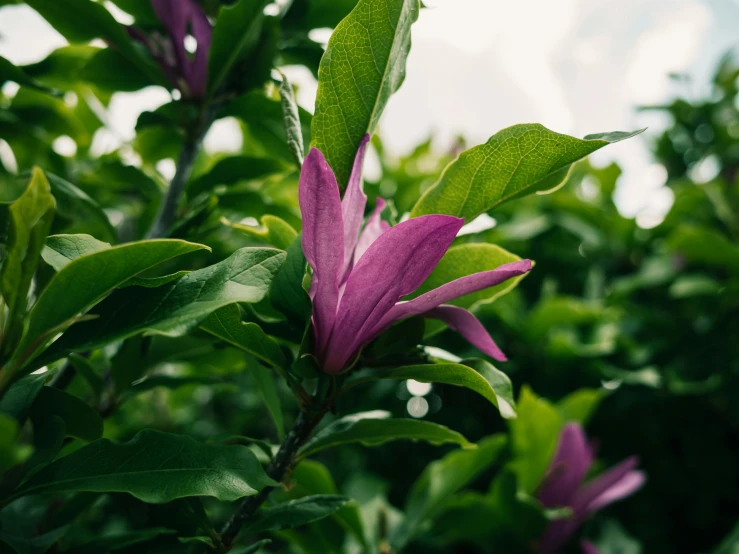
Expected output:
(630, 329)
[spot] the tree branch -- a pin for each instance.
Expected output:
(279, 467)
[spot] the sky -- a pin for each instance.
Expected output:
(477, 66)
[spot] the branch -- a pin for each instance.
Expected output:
(190, 149)
(279, 467)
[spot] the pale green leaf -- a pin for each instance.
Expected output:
(274, 231)
(291, 118)
(519, 160)
(364, 64)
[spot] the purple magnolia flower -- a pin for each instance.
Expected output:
(563, 487)
(180, 18)
(360, 277)
(588, 548)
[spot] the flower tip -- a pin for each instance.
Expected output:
(365, 140)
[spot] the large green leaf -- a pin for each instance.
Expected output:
(86, 280)
(10, 72)
(235, 34)
(226, 324)
(519, 160)
(376, 428)
(440, 480)
(21, 394)
(80, 420)
(71, 201)
(30, 220)
(364, 64)
(62, 249)
(295, 513)
(466, 259)
(233, 169)
(705, 247)
(176, 307)
(534, 436)
(484, 379)
(155, 467)
(288, 294)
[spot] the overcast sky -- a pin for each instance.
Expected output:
(476, 66)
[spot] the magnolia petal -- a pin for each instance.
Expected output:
(588, 547)
(393, 266)
(466, 324)
(372, 230)
(323, 240)
(454, 289)
(568, 468)
(614, 484)
(353, 205)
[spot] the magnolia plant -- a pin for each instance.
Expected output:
(119, 284)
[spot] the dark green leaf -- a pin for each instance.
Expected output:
(119, 541)
(295, 513)
(80, 420)
(706, 247)
(376, 428)
(363, 66)
(520, 160)
(229, 171)
(235, 35)
(291, 118)
(21, 394)
(9, 72)
(269, 395)
(111, 71)
(71, 201)
(86, 280)
(179, 306)
(440, 480)
(155, 467)
(226, 324)
(287, 293)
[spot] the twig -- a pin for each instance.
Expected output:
(282, 464)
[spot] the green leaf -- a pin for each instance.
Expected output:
(20, 396)
(179, 306)
(376, 428)
(706, 247)
(274, 231)
(251, 549)
(86, 280)
(484, 379)
(119, 541)
(440, 480)
(295, 513)
(10, 452)
(80, 420)
(81, 21)
(534, 437)
(111, 71)
(226, 324)
(287, 293)
(154, 467)
(72, 201)
(30, 220)
(519, 160)
(232, 170)
(270, 396)
(466, 259)
(9, 72)
(62, 249)
(291, 118)
(235, 34)
(580, 405)
(364, 64)
(84, 368)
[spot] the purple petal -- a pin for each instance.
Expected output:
(556, 535)
(353, 204)
(466, 324)
(588, 548)
(454, 289)
(323, 240)
(395, 265)
(615, 484)
(568, 468)
(197, 68)
(372, 230)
